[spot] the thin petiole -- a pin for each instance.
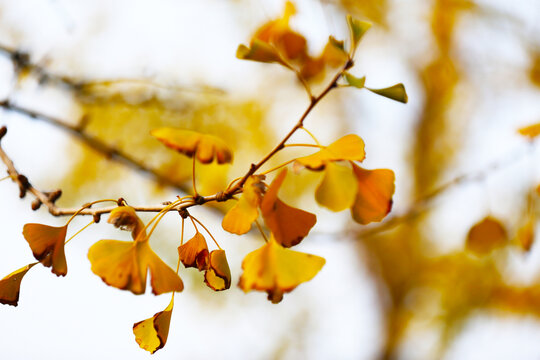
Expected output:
(278, 167)
(205, 228)
(78, 232)
(261, 230)
(303, 145)
(195, 193)
(311, 135)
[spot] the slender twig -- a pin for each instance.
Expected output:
(97, 145)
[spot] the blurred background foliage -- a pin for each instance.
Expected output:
(472, 70)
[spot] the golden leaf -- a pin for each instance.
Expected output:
(531, 131)
(47, 244)
(374, 196)
(337, 188)
(288, 224)
(194, 253)
(277, 270)
(151, 334)
(10, 285)
(124, 265)
(239, 218)
(218, 274)
(350, 147)
(204, 147)
(525, 235)
(486, 236)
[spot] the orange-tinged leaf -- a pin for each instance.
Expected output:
(125, 218)
(47, 244)
(337, 188)
(486, 236)
(350, 147)
(530, 131)
(239, 218)
(288, 224)
(218, 274)
(204, 147)
(396, 92)
(277, 270)
(124, 265)
(10, 285)
(151, 334)
(374, 196)
(194, 253)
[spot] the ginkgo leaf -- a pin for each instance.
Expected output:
(47, 244)
(151, 334)
(355, 81)
(530, 131)
(337, 188)
(396, 92)
(288, 224)
(239, 218)
(204, 147)
(277, 270)
(350, 147)
(125, 218)
(259, 51)
(10, 285)
(218, 274)
(374, 196)
(486, 236)
(194, 253)
(124, 265)
(358, 29)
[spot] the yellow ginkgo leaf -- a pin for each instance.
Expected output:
(194, 253)
(531, 131)
(124, 265)
(239, 218)
(288, 224)
(11, 284)
(374, 196)
(204, 147)
(125, 218)
(350, 147)
(486, 236)
(358, 29)
(151, 334)
(277, 270)
(337, 188)
(334, 54)
(218, 274)
(47, 244)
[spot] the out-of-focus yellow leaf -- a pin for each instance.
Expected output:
(204, 147)
(486, 236)
(124, 265)
(10, 285)
(218, 274)
(151, 334)
(534, 70)
(289, 225)
(47, 244)
(240, 217)
(531, 131)
(525, 235)
(194, 253)
(374, 196)
(277, 270)
(334, 53)
(350, 147)
(125, 218)
(337, 189)
(396, 92)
